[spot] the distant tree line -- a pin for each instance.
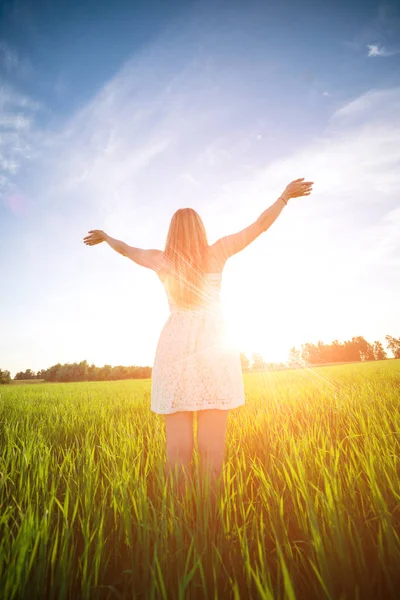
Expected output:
(84, 372)
(356, 349)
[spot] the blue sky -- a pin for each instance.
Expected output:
(113, 117)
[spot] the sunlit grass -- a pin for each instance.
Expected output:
(310, 506)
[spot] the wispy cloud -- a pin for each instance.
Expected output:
(374, 105)
(9, 58)
(12, 63)
(17, 122)
(17, 118)
(378, 50)
(352, 215)
(143, 140)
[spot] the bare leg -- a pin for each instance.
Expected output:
(211, 436)
(179, 450)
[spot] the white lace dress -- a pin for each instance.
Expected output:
(195, 368)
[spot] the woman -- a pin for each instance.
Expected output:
(194, 369)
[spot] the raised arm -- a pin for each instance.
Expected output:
(234, 243)
(145, 258)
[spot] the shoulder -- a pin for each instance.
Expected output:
(157, 256)
(157, 259)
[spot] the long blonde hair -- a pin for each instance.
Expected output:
(186, 254)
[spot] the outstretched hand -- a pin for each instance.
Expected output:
(298, 188)
(96, 236)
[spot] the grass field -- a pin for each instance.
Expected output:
(310, 507)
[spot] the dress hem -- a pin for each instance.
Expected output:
(198, 408)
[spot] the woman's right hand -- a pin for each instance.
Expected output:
(297, 188)
(96, 236)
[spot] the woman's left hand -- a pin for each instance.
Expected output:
(96, 237)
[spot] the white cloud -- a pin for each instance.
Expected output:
(17, 135)
(18, 122)
(132, 146)
(8, 165)
(378, 50)
(378, 105)
(11, 99)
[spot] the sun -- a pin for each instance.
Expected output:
(250, 332)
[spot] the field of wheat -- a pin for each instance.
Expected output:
(310, 506)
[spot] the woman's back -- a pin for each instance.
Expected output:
(208, 295)
(205, 288)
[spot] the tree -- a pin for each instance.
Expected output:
(366, 349)
(310, 354)
(294, 357)
(244, 362)
(393, 345)
(258, 363)
(379, 352)
(5, 377)
(351, 351)
(104, 373)
(24, 375)
(92, 372)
